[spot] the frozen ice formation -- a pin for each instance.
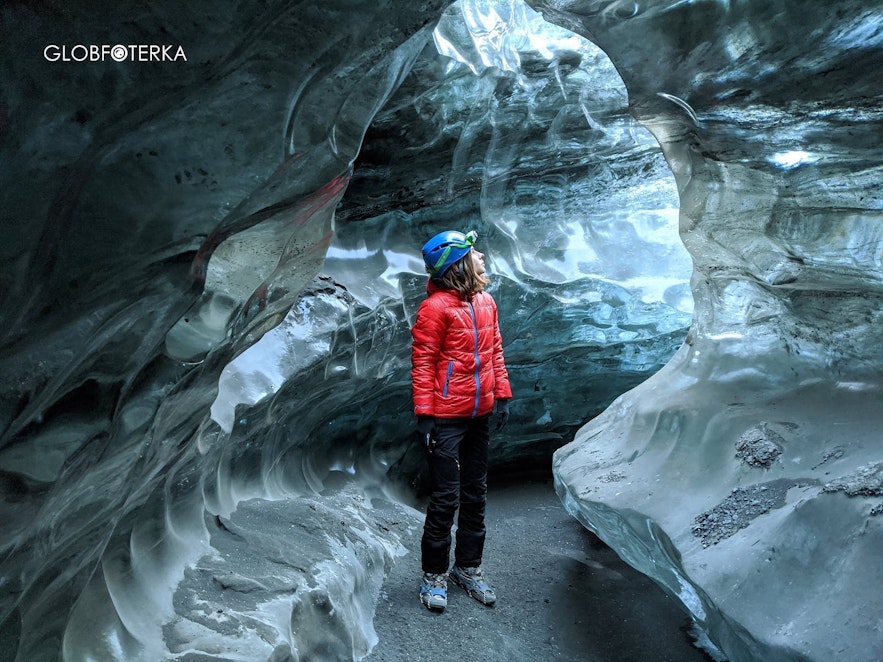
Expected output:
(211, 265)
(772, 128)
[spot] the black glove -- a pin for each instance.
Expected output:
(502, 411)
(425, 426)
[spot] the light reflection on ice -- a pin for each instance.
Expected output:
(864, 34)
(302, 338)
(499, 34)
(857, 386)
(729, 335)
(792, 159)
(371, 274)
(691, 599)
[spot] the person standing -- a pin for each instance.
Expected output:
(459, 379)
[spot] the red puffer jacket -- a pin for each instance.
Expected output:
(457, 367)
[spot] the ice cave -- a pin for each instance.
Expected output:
(212, 217)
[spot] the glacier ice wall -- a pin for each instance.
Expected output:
(159, 217)
(746, 475)
(177, 480)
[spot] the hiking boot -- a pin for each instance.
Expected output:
(473, 582)
(434, 591)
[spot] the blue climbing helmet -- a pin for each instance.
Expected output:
(444, 249)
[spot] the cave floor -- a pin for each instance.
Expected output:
(562, 594)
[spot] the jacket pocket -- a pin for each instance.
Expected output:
(448, 379)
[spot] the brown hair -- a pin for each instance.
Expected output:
(461, 276)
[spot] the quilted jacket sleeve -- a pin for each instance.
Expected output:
(427, 336)
(502, 388)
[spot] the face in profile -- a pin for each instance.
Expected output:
(477, 261)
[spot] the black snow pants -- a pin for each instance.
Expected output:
(457, 460)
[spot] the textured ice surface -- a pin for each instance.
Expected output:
(658, 477)
(296, 577)
(121, 184)
(743, 476)
(163, 218)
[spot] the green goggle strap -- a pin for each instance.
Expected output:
(469, 242)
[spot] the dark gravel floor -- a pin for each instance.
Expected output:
(562, 595)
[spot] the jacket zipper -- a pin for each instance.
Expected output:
(448, 379)
(477, 361)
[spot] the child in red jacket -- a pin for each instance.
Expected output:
(459, 379)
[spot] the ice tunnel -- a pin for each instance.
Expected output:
(211, 220)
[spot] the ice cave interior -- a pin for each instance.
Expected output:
(211, 264)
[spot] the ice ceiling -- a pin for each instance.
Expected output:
(210, 267)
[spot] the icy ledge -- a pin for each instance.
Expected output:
(774, 552)
(294, 578)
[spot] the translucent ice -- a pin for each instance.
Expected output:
(719, 471)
